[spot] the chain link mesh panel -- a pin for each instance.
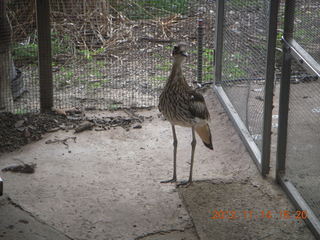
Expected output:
(303, 138)
(244, 60)
(107, 54)
(21, 91)
(302, 164)
(307, 22)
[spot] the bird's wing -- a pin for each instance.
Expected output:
(197, 106)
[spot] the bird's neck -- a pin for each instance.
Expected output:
(176, 71)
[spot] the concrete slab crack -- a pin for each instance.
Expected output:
(163, 233)
(10, 201)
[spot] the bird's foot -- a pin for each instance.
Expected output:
(184, 184)
(169, 181)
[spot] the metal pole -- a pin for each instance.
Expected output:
(219, 41)
(284, 90)
(200, 49)
(44, 55)
(1, 187)
(268, 94)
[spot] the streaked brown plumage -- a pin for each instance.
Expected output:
(181, 105)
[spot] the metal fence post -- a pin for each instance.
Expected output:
(268, 94)
(44, 55)
(284, 90)
(200, 49)
(219, 40)
(1, 187)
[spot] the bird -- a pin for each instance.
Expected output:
(181, 105)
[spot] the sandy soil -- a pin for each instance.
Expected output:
(106, 185)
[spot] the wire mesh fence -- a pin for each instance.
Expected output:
(106, 54)
(307, 21)
(11, 76)
(244, 60)
(302, 164)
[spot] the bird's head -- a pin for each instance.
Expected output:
(179, 51)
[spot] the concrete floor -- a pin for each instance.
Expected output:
(106, 186)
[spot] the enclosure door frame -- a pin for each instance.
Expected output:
(261, 158)
(292, 50)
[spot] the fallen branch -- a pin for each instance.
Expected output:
(84, 126)
(63, 141)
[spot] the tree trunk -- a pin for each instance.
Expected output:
(6, 102)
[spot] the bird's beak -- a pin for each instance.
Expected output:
(184, 54)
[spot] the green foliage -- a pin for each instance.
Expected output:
(208, 54)
(146, 9)
(25, 52)
(157, 55)
(98, 84)
(208, 77)
(28, 52)
(208, 69)
(166, 66)
(236, 65)
(21, 111)
(60, 44)
(279, 36)
(235, 71)
(114, 107)
(64, 77)
(90, 54)
(244, 4)
(159, 79)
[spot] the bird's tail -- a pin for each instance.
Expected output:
(205, 134)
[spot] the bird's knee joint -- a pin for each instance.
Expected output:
(193, 143)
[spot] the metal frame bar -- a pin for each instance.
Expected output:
(240, 126)
(269, 84)
(303, 57)
(219, 40)
(312, 221)
(262, 159)
(200, 50)
(284, 91)
(1, 187)
(44, 54)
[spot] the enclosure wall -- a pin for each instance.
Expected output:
(298, 163)
(106, 54)
(245, 70)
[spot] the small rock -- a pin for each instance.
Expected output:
(137, 126)
(19, 124)
(84, 126)
(53, 129)
(27, 133)
(21, 129)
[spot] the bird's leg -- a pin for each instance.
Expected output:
(175, 144)
(193, 147)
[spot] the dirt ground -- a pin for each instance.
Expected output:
(106, 185)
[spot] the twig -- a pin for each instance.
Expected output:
(63, 141)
